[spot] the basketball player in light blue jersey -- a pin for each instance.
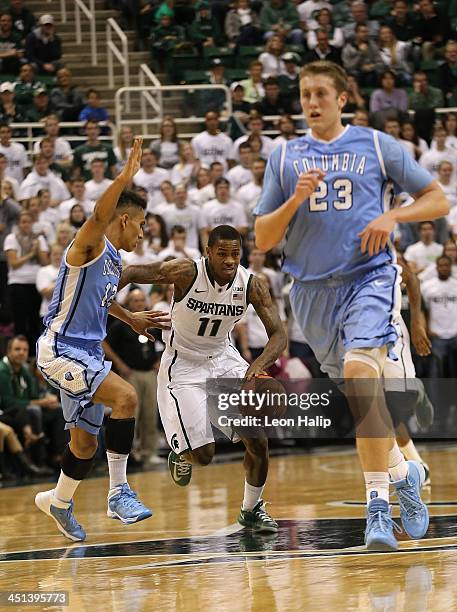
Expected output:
(70, 357)
(327, 194)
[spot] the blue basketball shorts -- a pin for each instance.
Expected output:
(336, 315)
(76, 368)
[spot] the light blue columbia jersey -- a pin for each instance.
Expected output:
(83, 295)
(362, 166)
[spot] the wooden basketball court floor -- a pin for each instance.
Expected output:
(192, 556)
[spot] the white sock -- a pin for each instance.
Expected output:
(117, 465)
(377, 485)
(398, 468)
(64, 491)
(251, 496)
(410, 452)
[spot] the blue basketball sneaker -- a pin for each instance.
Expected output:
(413, 511)
(379, 534)
(123, 504)
(63, 516)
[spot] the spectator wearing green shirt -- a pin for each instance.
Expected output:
(41, 108)
(204, 30)
(424, 96)
(165, 38)
(26, 85)
(11, 47)
(20, 406)
(92, 149)
(281, 17)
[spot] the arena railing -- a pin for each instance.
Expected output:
(147, 77)
(121, 119)
(122, 55)
(89, 12)
(30, 137)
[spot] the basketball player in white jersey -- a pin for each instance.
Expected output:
(405, 394)
(210, 296)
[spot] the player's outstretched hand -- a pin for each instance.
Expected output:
(376, 234)
(142, 321)
(307, 183)
(420, 340)
(134, 161)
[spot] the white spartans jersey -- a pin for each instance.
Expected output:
(203, 319)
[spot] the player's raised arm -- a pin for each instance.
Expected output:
(271, 227)
(89, 241)
(260, 298)
(179, 272)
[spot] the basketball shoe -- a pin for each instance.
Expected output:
(123, 504)
(413, 511)
(379, 534)
(258, 519)
(180, 469)
(62, 514)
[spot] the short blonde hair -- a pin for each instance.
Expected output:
(322, 67)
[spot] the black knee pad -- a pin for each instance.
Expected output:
(119, 435)
(75, 468)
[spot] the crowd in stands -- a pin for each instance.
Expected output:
(193, 185)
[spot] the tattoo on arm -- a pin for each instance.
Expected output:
(179, 272)
(260, 298)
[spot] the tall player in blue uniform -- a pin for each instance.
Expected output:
(327, 195)
(70, 357)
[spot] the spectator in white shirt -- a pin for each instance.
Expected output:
(207, 193)
(420, 254)
(440, 298)
(308, 10)
(124, 146)
(39, 227)
(151, 177)
(271, 60)
(450, 250)
(183, 214)
(241, 174)
(286, 130)
(4, 176)
(25, 253)
(78, 189)
(392, 127)
(14, 153)
(198, 195)
(430, 160)
(447, 181)
(42, 178)
(98, 184)
(48, 212)
(177, 247)
(186, 170)
(212, 145)
(249, 194)
(255, 127)
(140, 256)
(47, 276)
(63, 154)
(221, 211)
(167, 197)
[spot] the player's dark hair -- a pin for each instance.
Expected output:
(128, 199)
(330, 69)
(223, 232)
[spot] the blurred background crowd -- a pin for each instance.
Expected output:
(402, 60)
